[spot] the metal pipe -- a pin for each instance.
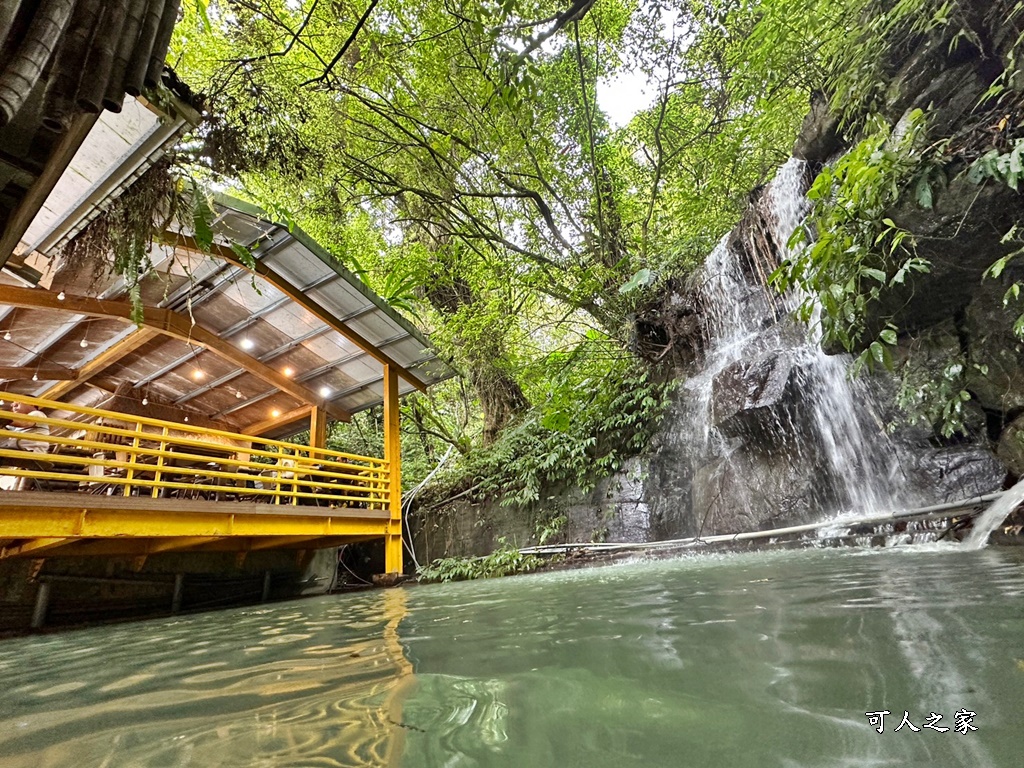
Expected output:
(929, 512)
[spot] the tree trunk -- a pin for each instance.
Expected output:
(501, 398)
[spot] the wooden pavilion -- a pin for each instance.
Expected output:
(164, 431)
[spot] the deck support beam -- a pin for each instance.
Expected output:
(42, 603)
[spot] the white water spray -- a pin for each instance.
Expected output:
(992, 517)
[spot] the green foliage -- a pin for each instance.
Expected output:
(851, 251)
(937, 402)
(585, 434)
(506, 561)
(1007, 168)
(546, 529)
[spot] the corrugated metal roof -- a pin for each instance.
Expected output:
(330, 342)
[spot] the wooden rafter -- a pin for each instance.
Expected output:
(294, 293)
(261, 428)
(40, 372)
(171, 324)
(101, 362)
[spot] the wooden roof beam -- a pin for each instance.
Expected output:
(170, 324)
(295, 294)
(101, 362)
(21, 217)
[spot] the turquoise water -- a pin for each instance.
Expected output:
(768, 659)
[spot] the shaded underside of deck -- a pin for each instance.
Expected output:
(36, 524)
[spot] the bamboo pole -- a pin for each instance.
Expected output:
(23, 71)
(158, 54)
(113, 99)
(8, 12)
(67, 66)
(101, 57)
(138, 64)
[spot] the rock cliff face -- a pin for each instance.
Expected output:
(766, 430)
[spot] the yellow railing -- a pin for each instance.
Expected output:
(165, 459)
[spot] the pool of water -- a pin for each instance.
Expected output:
(768, 659)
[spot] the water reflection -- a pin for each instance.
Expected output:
(765, 659)
(317, 683)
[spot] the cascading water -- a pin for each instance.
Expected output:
(793, 400)
(992, 517)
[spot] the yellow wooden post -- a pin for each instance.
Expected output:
(132, 459)
(296, 463)
(160, 463)
(393, 456)
(317, 431)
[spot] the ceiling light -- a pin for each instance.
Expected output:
(325, 391)
(238, 395)
(186, 418)
(288, 371)
(61, 296)
(198, 374)
(145, 401)
(83, 343)
(275, 413)
(247, 343)
(35, 377)
(7, 336)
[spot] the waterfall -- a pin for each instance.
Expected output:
(768, 410)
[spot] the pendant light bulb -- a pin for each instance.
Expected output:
(83, 343)
(61, 296)
(145, 401)
(35, 377)
(7, 336)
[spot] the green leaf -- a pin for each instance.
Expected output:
(202, 220)
(877, 274)
(244, 255)
(877, 351)
(557, 421)
(923, 193)
(997, 267)
(641, 279)
(888, 336)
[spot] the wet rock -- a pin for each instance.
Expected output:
(995, 354)
(959, 249)
(748, 492)
(819, 137)
(956, 473)
(1011, 446)
(756, 399)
